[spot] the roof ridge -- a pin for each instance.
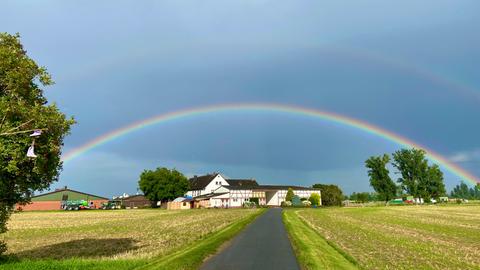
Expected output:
(68, 189)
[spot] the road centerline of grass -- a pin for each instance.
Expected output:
(262, 245)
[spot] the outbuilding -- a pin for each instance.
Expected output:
(53, 200)
(136, 201)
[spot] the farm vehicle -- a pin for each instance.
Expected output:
(76, 205)
(110, 205)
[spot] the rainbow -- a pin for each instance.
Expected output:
(359, 54)
(278, 108)
(426, 74)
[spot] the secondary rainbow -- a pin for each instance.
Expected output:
(276, 108)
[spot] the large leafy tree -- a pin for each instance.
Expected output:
(434, 183)
(413, 168)
(163, 184)
(417, 177)
(380, 177)
(332, 195)
(23, 108)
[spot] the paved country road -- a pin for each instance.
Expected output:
(264, 245)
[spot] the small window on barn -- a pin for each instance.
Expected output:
(184, 204)
(65, 197)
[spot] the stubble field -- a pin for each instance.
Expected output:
(126, 238)
(413, 237)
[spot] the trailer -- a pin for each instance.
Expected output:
(75, 205)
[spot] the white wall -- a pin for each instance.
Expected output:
(217, 182)
(276, 199)
(220, 201)
(238, 197)
(221, 190)
(272, 197)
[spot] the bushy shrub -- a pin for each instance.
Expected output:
(286, 204)
(289, 195)
(314, 199)
(255, 200)
(249, 204)
(296, 201)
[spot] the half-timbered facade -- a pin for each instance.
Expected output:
(223, 193)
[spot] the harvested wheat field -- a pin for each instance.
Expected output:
(410, 237)
(118, 234)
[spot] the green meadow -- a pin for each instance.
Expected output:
(403, 237)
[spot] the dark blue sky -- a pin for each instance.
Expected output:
(409, 67)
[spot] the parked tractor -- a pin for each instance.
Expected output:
(110, 205)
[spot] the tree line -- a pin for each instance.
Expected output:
(462, 191)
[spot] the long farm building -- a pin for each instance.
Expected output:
(53, 200)
(213, 190)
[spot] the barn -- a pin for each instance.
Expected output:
(52, 200)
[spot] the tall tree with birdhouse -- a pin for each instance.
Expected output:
(31, 129)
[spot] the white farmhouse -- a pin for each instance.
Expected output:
(213, 190)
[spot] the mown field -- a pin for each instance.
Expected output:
(410, 237)
(119, 239)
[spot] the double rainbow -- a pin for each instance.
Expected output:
(276, 108)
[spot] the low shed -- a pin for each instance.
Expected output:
(136, 201)
(180, 204)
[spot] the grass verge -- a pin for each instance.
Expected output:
(312, 250)
(70, 264)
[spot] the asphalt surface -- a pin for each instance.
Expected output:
(264, 244)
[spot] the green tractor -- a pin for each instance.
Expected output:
(111, 205)
(75, 205)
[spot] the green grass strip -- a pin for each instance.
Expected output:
(312, 250)
(70, 264)
(193, 256)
